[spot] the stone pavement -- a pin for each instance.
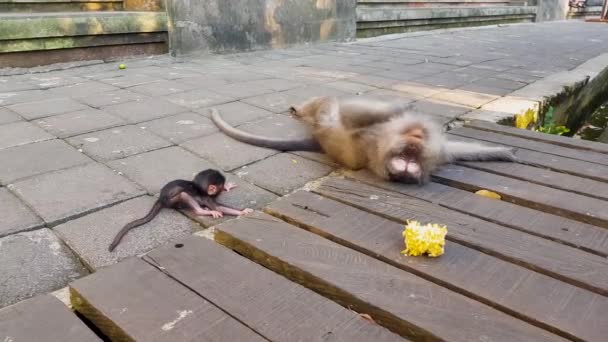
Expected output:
(84, 150)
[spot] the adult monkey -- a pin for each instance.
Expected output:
(382, 136)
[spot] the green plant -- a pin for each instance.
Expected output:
(550, 127)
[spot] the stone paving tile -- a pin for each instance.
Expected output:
(280, 102)
(89, 88)
(237, 113)
(442, 108)
(127, 80)
(164, 87)
(34, 159)
(391, 95)
(516, 77)
(350, 87)
(53, 106)
(283, 173)
(181, 127)
(499, 83)
(317, 156)
(34, 263)
(254, 88)
(448, 80)
(8, 116)
(62, 195)
(111, 98)
(417, 89)
(21, 133)
(80, 122)
(485, 90)
(198, 81)
(466, 98)
(198, 98)
(50, 80)
(375, 81)
(154, 169)
(173, 72)
(89, 236)
(226, 152)
(282, 126)
(147, 110)
(13, 84)
(16, 216)
(511, 105)
(118, 142)
(9, 98)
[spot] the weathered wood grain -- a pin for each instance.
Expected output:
(133, 301)
(576, 313)
(557, 180)
(399, 300)
(537, 136)
(275, 307)
(551, 258)
(553, 162)
(589, 156)
(559, 202)
(587, 237)
(42, 318)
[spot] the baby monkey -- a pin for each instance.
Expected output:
(197, 197)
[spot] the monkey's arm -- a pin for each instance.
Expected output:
(232, 211)
(469, 151)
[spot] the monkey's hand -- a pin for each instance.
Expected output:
(246, 211)
(229, 186)
(216, 214)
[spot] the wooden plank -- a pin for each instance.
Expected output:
(275, 307)
(537, 136)
(553, 162)
(559, 202)
(557, 180)
(511, 288)
(401, 301)
(42, 318)
(551, 258)
(589, 156)
(570, 232)
(133, 301)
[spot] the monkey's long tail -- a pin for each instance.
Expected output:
(272, 143)
(153, 212)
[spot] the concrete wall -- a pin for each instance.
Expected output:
(548, 10)
(241, 25)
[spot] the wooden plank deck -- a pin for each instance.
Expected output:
(317, 265)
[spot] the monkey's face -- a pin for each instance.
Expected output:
(214, 190)
(408, 161)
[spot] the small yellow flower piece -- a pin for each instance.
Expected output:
(424, 239)
(488, 194)
(524, 120)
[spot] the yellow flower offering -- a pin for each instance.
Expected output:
(488, 194)
(424, 239)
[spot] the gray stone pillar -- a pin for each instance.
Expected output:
(548, 10)
(241, 25)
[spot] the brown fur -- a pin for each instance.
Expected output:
(383, 136)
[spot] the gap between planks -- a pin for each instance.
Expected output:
(515, 289)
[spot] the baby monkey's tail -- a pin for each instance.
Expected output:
(151, 215)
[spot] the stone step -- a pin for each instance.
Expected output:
(68, 36)
(29, 6)
(374, 21)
